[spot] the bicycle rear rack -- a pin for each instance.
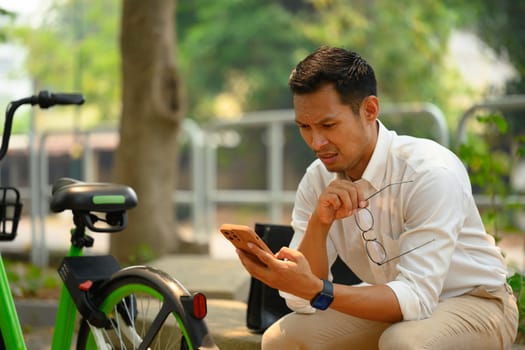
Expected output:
(10, 210)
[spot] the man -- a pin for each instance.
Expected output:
(400, 213)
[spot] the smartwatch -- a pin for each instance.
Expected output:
(324, 298)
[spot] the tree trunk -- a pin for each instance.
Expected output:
(151, 116)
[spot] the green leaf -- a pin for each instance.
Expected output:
(494, 119)
(515, 281)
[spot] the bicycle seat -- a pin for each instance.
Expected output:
(71, 194)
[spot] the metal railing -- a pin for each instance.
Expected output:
(40, 189)
(500, 104)
(275, 196)
(505, 103)
(204, 196)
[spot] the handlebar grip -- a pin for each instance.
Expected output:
(46, 99)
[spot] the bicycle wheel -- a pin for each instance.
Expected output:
(147, 309)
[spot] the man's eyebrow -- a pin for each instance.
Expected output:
(327, 118)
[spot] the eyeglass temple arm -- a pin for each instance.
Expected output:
(384, 188)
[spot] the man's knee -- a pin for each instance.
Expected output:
(396, 338)
(271, 338)
(275, 337)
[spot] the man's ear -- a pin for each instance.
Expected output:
(370, 107)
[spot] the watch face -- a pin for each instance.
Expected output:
(322, 301)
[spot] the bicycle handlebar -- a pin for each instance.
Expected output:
(44, 99)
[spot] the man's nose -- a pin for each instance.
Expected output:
(318, 140)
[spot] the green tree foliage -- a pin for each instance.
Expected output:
(500, 25)
(5, 17)
(75, 49)
(241, 49)
(405, 41)
(247, 48)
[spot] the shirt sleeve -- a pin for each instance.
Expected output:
(299, 305)
(434, 213)
(306, 196)
(305, 201)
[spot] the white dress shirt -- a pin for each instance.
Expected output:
(437, 206)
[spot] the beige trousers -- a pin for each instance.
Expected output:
(476, 321)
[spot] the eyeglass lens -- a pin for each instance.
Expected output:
(365, 222)
(376, 252)
(364, 219)
(375, 249)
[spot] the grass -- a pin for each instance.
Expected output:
(29, 281)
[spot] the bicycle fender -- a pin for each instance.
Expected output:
(197, 328)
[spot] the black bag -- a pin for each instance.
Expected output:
(265, 305)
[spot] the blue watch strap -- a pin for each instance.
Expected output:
(324, 298)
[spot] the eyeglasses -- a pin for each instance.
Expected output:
(374, 249)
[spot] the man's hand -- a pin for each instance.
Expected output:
(340, 199)
(288, 270)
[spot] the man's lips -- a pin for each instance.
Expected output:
(327, 157)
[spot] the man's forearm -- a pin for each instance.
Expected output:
(313, 246)
(376, 303)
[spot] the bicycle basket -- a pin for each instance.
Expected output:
(10, 210)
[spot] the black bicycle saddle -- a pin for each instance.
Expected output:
(71, 194)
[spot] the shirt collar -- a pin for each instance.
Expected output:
(375, 170)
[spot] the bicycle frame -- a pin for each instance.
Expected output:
(10, 323)
(10, 327)
(66, 313)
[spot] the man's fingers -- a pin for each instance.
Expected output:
(251, 263)
(260, 264)
(349, 197)
(286, 253)
(262, 257)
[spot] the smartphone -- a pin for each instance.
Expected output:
(240, 236)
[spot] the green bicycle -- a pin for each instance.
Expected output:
(136, 307)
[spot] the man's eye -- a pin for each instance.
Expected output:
(328, 126)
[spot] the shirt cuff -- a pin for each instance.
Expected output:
(299, 305)
(408, 301)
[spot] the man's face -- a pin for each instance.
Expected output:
(343, 141)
